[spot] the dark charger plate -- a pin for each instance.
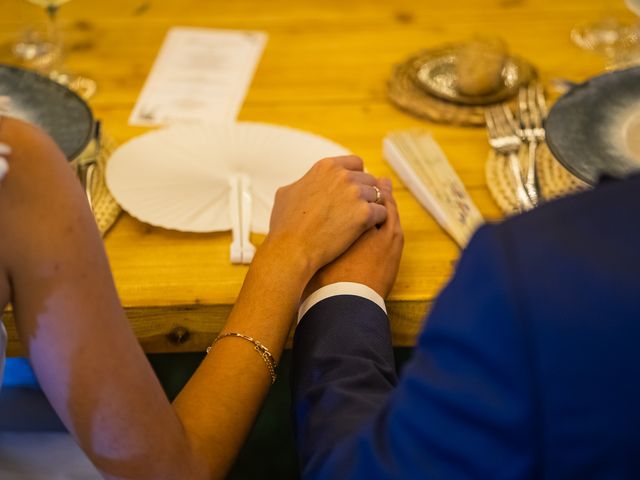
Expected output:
(54, 108)
(594, 129)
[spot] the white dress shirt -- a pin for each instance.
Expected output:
(340, 288)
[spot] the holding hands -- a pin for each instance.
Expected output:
(338, 213)
(373, 260)
(314, 221)
(323, 213)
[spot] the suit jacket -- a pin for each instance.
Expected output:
(528, 365)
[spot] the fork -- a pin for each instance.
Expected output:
(504, 139)
(531, 112)
(87, 166)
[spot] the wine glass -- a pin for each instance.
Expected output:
(630, 56)
(47, 56)
(633, 5)
(616, 40)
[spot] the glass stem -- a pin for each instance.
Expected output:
(55, 38)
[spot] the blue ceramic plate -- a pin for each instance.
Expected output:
(54, 108)
(594, 129)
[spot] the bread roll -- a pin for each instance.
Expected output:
(479, 66)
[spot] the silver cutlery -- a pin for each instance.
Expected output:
(531, 112)
(87, 166)
(504, 139)
(561, 85)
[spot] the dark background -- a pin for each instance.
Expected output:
(268, 453)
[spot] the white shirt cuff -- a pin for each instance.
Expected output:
(340, 288)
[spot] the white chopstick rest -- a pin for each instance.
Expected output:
(240, 204)
(246, 207)
(424, 168)
(235, 215)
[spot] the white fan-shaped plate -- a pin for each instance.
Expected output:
(178, 178)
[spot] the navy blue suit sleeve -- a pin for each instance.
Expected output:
(463, 407)
(342, 370)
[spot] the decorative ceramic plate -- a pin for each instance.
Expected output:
(178, 178)
(54, 108)
(435, 72)
(594, 129)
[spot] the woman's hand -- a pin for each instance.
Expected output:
(373, 260)
(323, 213)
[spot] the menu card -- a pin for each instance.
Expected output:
(200, 75)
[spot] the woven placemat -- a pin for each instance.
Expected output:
(404, 91)
(105, 208)
(554, 180)
(405, 94)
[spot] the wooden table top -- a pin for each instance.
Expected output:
(324, 70)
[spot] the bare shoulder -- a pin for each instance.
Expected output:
(27, 143)
(38, 170)
(40, 195)
(32, 149)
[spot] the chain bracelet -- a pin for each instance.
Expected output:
(263, 351)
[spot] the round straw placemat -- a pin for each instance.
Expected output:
(105, 209)
(404, 90)
(406, 95)
(554, 180)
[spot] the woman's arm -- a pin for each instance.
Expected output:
(82, 349)
(69, 318)
(313, 221)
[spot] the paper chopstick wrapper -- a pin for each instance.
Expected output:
(424, 168)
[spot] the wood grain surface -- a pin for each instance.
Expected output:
(323, 70)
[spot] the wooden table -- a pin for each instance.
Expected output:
(323, 70)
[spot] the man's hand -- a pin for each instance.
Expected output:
(322, 214)
(373, 259)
